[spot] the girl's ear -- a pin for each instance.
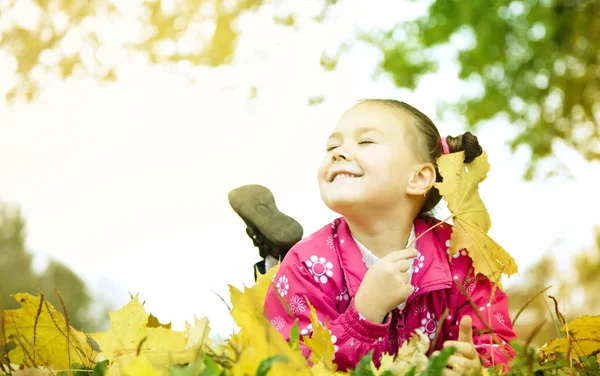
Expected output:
(421, 180)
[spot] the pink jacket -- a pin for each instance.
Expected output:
(327, 268)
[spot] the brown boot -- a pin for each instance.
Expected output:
(273, 232)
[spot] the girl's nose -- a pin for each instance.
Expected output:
(340, 155)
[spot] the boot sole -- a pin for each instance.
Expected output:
(255, 204)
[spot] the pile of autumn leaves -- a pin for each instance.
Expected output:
(137, 344)
(38, 340)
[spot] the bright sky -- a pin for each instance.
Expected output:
(127, 183)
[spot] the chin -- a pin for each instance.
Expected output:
(342, 203)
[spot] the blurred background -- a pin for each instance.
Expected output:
(124, 124)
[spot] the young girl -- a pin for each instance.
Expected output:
(370, 291)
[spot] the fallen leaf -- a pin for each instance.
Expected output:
(322, 370)
(257, 339)
(584, 334)
(252, 300)
(205, 366)
(154, 323)
(49, 348)
(129, 333)
(319, 342)
(33, 372)
(385, 364)
(138, 366)
(413, 352)
(197, 334)
(460, 189)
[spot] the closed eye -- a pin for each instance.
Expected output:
(366, 142)
(331, 147)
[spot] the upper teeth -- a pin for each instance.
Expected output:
(343, 176)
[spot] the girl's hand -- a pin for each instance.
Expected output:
(465, 361)
(385, 286)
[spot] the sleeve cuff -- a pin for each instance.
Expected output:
(362, 329)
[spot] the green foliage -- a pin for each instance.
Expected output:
(77, 369)
(295, 336)
(100, 368)
(438, 363)
(205, 366)
(363, 368)
(265, 365)
(535, 61)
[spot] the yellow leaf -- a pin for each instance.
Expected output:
(50, 348)
(321, 370)
(33, 372)
(161, 360)
(129, 331)
(154, 323)
(252, 300)
(413, 352)
(460, 189)
(138, 366)
(198, 333)
(386, 364)
(263, 281)
(320, 342)
(257, 339)
(584, 334)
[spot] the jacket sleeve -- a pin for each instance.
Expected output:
(352, 335)
(493, 309)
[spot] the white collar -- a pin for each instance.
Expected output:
(370, 259)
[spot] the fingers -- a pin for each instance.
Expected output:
(465, 333)
(447, 371)
(463, 348)
(404, 254)
(402, 265)
(459, 365)
(404, 277)
(459, 362)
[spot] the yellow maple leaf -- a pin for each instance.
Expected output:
(263, 281)
(460, 189)
(138, 366)
(253, 299)
(385, 364)
(129, 335)
(198, 333)
(320, 344)
(584, 335)
(257, 339)
(49, 345)
(33, 372)
(321, 370)
(154, 323)
(413, 352)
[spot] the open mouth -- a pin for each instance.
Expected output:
(343, 175)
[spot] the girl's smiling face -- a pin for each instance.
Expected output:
(370, 160)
